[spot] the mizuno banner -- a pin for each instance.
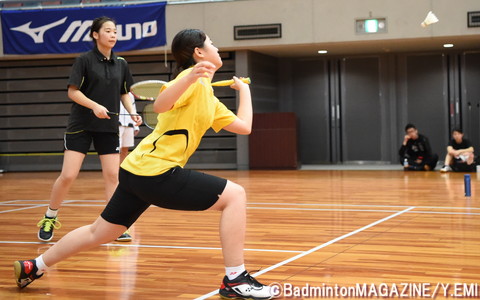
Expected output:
(67, 30)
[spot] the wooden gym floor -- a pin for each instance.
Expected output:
(410, 231)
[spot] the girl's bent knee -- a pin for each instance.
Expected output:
(238, 192)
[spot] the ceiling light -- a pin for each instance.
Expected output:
(322, 51)
(447, 45)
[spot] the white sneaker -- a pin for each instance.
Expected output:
(244, 287)
(446, 169)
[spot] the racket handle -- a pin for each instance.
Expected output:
(230, 82)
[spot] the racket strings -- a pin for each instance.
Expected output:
(149, 116)
(148, 90)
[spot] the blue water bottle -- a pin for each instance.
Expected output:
(468, 190)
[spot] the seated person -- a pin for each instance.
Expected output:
(415, 153)
(460, 157)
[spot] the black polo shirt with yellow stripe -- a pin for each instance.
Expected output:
(103, 81)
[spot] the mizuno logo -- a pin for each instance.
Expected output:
(37, 33)
(80, 31)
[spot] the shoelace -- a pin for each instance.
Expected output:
(252, 281)
(48, 223)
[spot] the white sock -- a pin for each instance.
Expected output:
(51, 213)
(42, 267)
(234, 272)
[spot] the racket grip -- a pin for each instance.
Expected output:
(230, 82)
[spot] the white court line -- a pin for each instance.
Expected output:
(363, 210)
(9, 201)
(156, 246)
(31, 200)
(89, 205)
(70, 203)
(250, 207)
(357, 205)
(30, 207)
(444, 213)
(23, 208)
(285, 204)
(322, 209)
(46, 200)
(315, 249)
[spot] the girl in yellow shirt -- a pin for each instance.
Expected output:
(153, 173)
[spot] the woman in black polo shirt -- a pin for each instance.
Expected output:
(98, 80)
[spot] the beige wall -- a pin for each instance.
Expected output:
(319, 21)
(307, 22)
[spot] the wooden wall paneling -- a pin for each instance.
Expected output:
(35, 109)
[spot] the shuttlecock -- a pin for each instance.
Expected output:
(430, 19)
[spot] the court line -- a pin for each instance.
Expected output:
(359, 205)
(71, 203)
(30, 207)
(364, 210)
(321, 209)
(156, 246)
(63, 204)
(9, 201)
(316, 248)
(277, 204)
(31, 200)
(444, 213)
(23, 208)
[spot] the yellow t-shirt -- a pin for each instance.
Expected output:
(179, 130)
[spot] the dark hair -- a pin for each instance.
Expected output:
(184, 44)
(457, 130)
(97, 24)
(409, 125)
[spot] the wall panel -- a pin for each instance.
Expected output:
(34, 111)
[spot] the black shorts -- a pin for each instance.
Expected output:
(178, 189)
(103, 142)
(459, 165)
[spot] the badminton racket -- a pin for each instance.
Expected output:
(149, 89)
(149, 116)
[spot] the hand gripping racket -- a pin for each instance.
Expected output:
(230, 82)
